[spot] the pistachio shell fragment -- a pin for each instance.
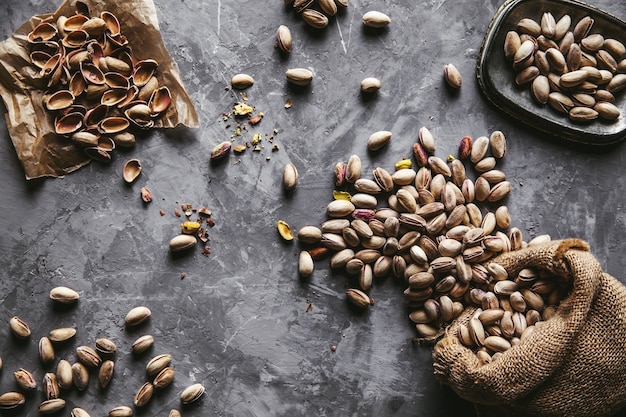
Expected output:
(132, 169)
(285, 230)
(137, 315)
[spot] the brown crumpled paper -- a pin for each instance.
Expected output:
(31, 127)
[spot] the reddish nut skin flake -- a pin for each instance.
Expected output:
(465, 148)
(333, 348)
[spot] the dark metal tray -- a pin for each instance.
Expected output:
(496, 77)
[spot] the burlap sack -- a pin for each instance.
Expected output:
(573, 365)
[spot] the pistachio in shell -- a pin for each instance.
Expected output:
(10, 400)
(142, 344)
(285, 230)
(191, 394)
(137, 316)
(283, 39)
(132, 169)
(182, 242)
(290, 177)
(64, 295)
(376, 19)
(19, 328)
(61, 334)
(241, 81)
(299, 76)
(452, 76)
(370, 85)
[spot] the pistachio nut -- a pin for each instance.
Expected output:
(191, 394)
(137, 316)
(376, 19)
(142, 344)
(299, 76)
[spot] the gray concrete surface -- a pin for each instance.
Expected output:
(238, 322)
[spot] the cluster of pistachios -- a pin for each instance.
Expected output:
(316, 12)
(575, 71)
(94, 87)
(98, 359)
(432, 228)
(193, 229)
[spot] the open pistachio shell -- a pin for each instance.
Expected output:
(97, 154)
(284, 230)
(160, 101)
(113, 97)
(92, 74)
(144, 70)
(43, 32)
(62, 99)
(132, 169)
(68, 124)
(114, 124)
(75, 39)
(112, 23)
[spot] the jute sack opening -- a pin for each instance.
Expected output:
(574, 364)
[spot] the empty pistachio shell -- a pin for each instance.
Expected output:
(299, 76)
(285, 230)
(132, 169)
(452, 76)
(242, 81)
(370, 85)
(191, 394)
(376, 19)
(182, 242)
(64, 295)
(137, 316)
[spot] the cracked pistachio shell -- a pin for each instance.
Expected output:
(121, 411)
(305, 264)
(158, 363)
(19, 327)
(358, 298)
(10, 400)
(378, 140)
(142, 344)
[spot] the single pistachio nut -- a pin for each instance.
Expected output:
(290, 177)
(79, 412)
(452, 76)
(64, 295)
(121, 411)
(25, 379)
(105, 373)
(164, 378)
(305, 264)
(88, 356)
(105, 346)
(358, 298)
(182, 242)
(241, 81)
(191, 394)
(142, 344)
(370, 85)
(158, 363)
(376, 19)
(283, 39)
(299, 76)
(143, 394)
(378, 140)
(221, 150)
(10, 400)
(19, 327)
(46, 350)
(137, 316)
(51, 406)
(315, 18)
(64, 374)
